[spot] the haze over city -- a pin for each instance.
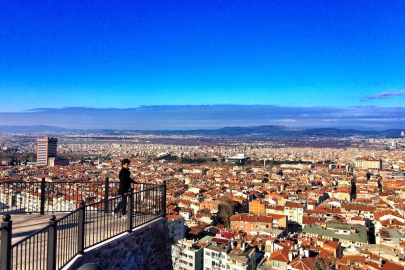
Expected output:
(193, 64)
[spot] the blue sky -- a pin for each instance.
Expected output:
(103, 55)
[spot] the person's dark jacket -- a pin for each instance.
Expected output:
(125, 181)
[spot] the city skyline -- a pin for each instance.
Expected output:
(335, 64)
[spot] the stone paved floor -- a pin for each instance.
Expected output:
(26, 224)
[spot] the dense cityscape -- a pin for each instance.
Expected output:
(237, 204)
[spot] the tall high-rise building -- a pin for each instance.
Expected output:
(46, 148)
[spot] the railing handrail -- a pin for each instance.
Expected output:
(146, 189)
(71, 182)
(69, 214)
(111, 199)
(42, 196)
(159, 190)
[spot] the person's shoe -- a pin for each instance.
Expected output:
(114, 214)
(124, 216)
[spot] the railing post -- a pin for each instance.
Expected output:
(80, 241)
(6, 234)
(130, 209)
(42, 209)
(52, 237)
(106, 194)
(164, 199)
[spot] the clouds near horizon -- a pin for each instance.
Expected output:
(211, 116)
(389, 94)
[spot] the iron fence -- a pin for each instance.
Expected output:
(67, 238)
(32, 251)
(102, 224)
(55, 245)
(56, 196)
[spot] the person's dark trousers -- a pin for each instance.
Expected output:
(122, 205)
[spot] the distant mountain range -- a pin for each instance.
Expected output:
(252, 132)
(279, 131)
(32, 129)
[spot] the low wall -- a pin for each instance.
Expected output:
(147, 247)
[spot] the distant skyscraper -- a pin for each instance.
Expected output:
(46, 148)
(402, 133)
(392, 144)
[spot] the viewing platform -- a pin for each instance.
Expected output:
(65, 240)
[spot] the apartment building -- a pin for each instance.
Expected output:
(193, 197)
(177, 230)
(295, 213)
(366, 163)
(46, 148)
(186, 213)
(216, 254)
(210, 204)
(251, 222)
(257, 207)
(242, 259)
(354, 210)
(346, 234)
(187, 255)
(279, 221)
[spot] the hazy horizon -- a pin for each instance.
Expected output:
(210, 117)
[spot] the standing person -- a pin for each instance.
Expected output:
(125, 184)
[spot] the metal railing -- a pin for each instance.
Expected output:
(57, 196)
(55, 245)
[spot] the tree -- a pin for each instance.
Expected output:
(326, 263)
(225, 213)
(193, 183)
(177, 252)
